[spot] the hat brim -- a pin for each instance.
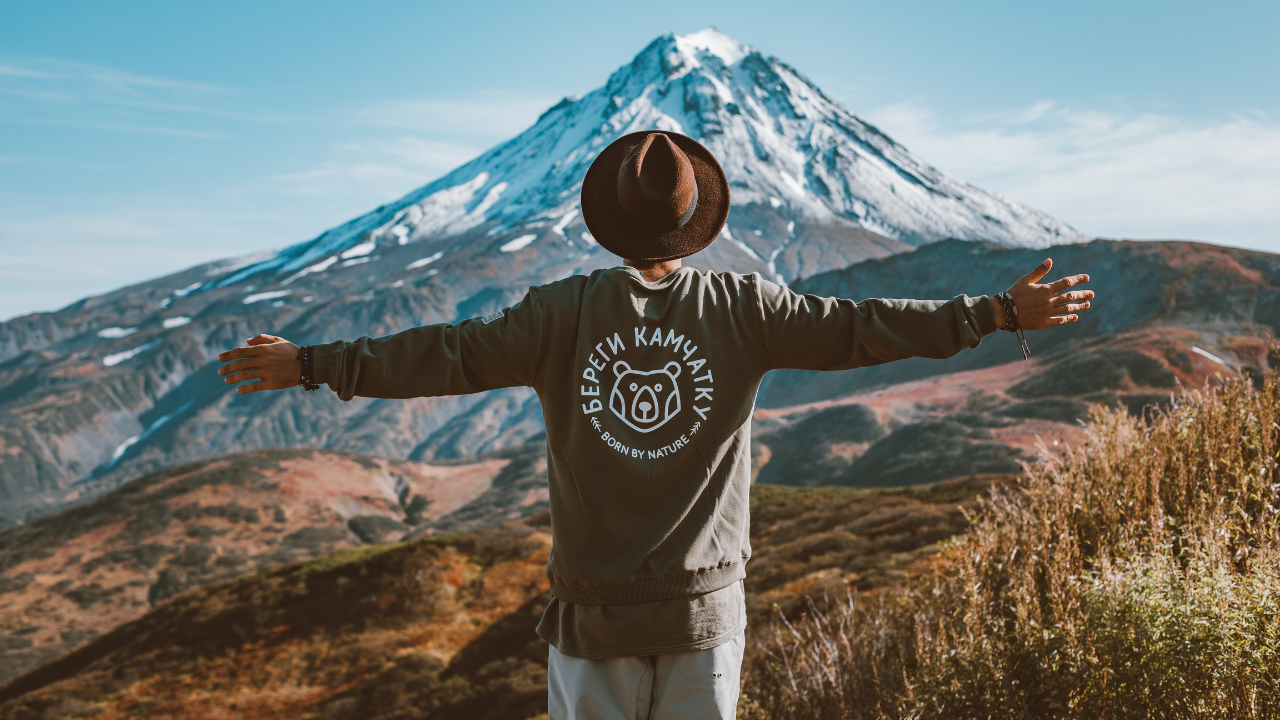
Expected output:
(616, 232)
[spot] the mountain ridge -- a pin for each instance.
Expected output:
(121, 384)
(717, 108)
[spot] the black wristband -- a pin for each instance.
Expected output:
(1011, 322)
(308, 379)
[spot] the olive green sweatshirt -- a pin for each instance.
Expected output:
(647, 391)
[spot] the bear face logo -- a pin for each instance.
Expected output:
(645, 401)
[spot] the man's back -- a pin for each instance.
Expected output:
(647, 391)
(648, 375)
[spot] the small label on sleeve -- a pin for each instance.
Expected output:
(490, 318)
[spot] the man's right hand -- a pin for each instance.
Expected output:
(272, 361)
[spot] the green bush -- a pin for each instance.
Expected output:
(1135, 576)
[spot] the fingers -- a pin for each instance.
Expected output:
(1076, 296)
(237, 353)
(1053, 321)
(1040, 271)
(251, 349)
(264, 339)
(237, 366)
(1066, 282)
(252, 387)
(1073, 307)
(250, 374)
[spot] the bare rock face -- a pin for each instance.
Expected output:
(123, 384)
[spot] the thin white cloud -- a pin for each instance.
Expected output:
(484, 114)
(54, 252)
(22, 72)
(384, 169)
(46, 68)
(1112, 175)
(51, 91)
(135, 128)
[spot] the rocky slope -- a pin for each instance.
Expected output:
(121, 384)
(442, 627)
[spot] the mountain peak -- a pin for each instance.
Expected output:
(711, 41)
(794, 158)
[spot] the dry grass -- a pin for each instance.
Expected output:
(1136, 576)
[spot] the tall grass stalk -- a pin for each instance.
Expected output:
(1136, 575)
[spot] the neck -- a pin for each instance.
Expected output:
(654, 271)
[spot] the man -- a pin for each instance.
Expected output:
(647, 375)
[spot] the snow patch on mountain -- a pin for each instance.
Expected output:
(115, 333)
(116, 358)
(123, 447)
(518, 244)
(423, 262)
(271, 295)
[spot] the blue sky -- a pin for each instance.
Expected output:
(137, 138)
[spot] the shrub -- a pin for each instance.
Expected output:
(1135, 576)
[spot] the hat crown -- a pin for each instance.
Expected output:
(656, 184)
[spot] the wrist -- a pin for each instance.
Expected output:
(306, 375)
(997, 309)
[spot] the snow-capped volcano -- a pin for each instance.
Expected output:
(116, 385)
(793, 156)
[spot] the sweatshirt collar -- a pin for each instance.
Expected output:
(662, 282)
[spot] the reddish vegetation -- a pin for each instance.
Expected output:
(442, 627)
(296, 639)
(70, 577)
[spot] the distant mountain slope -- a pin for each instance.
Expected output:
(121, 384)
(1223, 301)
(69, 577)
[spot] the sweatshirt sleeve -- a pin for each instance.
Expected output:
(501, 350)
(806, 332)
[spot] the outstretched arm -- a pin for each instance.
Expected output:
(812, 333)
(501, 350)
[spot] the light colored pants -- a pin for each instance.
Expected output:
(698, 685)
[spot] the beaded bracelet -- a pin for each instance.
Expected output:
(307, 381)
(1011, 322)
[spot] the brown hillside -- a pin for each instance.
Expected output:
(70, 577)
(982, 421)
(441, 627)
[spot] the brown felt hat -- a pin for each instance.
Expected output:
(655, 196)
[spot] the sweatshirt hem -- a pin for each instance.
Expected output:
(663, 587)
(695, 646)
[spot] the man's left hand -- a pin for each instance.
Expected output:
(1045, 306)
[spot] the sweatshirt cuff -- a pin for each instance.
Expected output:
(981, 310)
(325, 359)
